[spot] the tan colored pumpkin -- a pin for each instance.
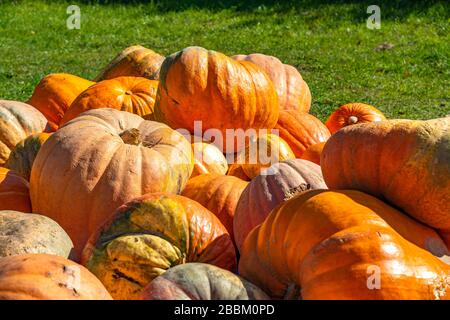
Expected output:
(208, 159)
(55, 93)
(218, 91)
(18, 120)
(22, 233)
(22, 157)
(293, 92)
(135, 61)
(329, 244)
(131, 94)
(406, 162)
(101, 160)
(47, 277)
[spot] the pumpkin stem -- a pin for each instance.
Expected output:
(297, 190)
(352, 119)
(131, 136)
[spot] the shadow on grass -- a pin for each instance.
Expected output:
(390, 9)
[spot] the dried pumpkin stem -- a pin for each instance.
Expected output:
(131, 136)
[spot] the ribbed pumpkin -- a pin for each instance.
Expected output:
(55, 93)
(218, 193)
(293, 92)
(101, 160)
(261, 152)
(208, 159)
(313, 152)
(406, 162)
(17, 121)
(277, 184)
(218, 91)
(151, 234)
(14, 193)
(135, 61)
(201, 281)
(47, 277)
(22, 233)
(301, 130)
(353, 113)
(343, 245)
(22, 157)
(131, 94)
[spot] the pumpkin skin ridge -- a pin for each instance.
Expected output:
(277, 277)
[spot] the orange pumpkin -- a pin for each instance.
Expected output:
(261, 152)
(353, 113)
(236, 170)
(218, 91)
(313, 152)
(17, 121)
(101, 160)
(343, 245)
(208, 159)
(55, 93)
(151, 234)
(135, 61)
(301, 130)
(218, 193)
(131, 94)
(14, 193)
(279, 183)
(293, 92)
(47, 277)
(22, 156)
(405, 162)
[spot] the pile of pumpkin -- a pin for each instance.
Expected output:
(102, 197)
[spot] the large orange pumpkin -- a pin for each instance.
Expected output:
(22, 157)
(218, 91)
(201, 281)
(131, 94)
(343, 245)
(274, 185)
(47, 277)
(313, 152)
(353, 113)
(218, 193)
(208, 159)
(101, 160)
(17, 121)
(405, 162)
(151, 234)
(55, 93)
(301, 130)
(136, 61)
(293, 92)
(14, 193)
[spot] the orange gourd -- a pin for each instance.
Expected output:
(343, 245)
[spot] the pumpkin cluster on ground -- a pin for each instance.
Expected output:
(201, 176)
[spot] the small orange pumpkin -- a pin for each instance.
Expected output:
(313, 153)
(132, 94)
(14, 193)
(353, 113)
(208, 159)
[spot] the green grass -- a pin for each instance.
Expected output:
(327, 40)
